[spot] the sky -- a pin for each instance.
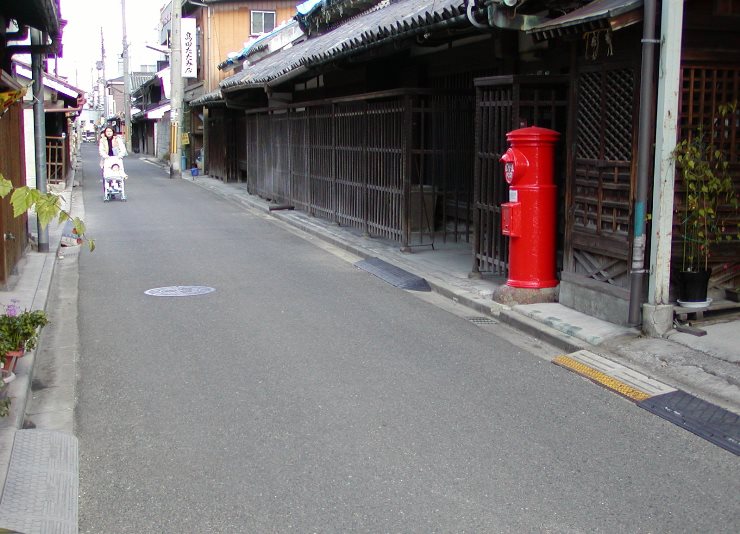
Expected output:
(81, 37)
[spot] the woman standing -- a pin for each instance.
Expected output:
(111, 145)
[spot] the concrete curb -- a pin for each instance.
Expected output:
(564, 342)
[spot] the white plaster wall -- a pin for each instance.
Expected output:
(30, 148)
(162, 136)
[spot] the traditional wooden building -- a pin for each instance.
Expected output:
(151, 117)
(63, 103)
(223, 29)
(42, 15)
(391, 117)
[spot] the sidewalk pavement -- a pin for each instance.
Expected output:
(38, 466)
(42, 462)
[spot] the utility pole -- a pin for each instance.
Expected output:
(102, 78)
(126, 82)
(176, 92)
(659, 310)
(39, 131)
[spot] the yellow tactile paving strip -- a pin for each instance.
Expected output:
(600, 378)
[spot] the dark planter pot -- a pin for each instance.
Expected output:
(692, 286)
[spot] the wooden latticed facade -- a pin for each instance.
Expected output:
(598, 226)
(503, 104)
(394, 164)
(704, 88)
(57, 149)
(225, 129)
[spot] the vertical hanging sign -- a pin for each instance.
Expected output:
(188, 44)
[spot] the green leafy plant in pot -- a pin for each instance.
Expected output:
(4, 400)
(19, 329)
(6, 375)
(704, 172)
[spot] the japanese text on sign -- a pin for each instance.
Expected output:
(189, 58)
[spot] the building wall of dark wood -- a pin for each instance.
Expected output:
(396, 164)
(710, 77)
(362, 136)
(225, 134)
(385, 145)
(599, 169)
(13, 168)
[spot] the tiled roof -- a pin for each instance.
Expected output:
(208, 98)
(384, 23)
(316, 16)
(140, 78)
(50, 76)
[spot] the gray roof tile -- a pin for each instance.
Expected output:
(373, 27)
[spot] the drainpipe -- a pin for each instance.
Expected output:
(647, 120)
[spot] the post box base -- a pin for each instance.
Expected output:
(529, 284)
(512, 296)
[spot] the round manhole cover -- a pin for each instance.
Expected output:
(179, 291)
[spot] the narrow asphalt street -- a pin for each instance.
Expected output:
(305, 395)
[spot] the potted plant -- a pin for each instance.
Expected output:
(19, 331)
(704, 172)
(4, 400)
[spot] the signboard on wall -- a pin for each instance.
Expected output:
(188, 47)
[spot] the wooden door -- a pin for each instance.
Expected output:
(600, 188)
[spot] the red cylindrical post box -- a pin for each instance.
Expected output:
(530, 216)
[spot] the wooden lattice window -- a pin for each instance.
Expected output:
(604, 151)
(703, 90)
(605, 115)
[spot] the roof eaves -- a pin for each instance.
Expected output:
(599, 14)
(382, 27)
(48, 77)
(40, 14)
(209, 98)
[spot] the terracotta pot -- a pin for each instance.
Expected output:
(11, 357)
